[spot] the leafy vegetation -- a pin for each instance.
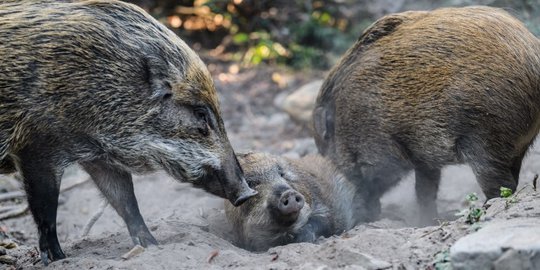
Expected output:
(473, 213)
(442, 261)
(506, 192)
(297, 33)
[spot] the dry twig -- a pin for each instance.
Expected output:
(15, 212)
(74, 185)
(12, 195)
(94, 218)
(8, 212)
(136, 250)
(212, 255)
(21, 194)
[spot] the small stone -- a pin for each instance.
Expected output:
(3, 251)
(513, 259)
(9, 244)
(6, 259)
(136, 250)
(300, 104)
(499, 244)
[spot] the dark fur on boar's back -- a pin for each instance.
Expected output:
(421, 90)
(298, 201)
(103, 84)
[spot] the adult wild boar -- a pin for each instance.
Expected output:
(421, 90)
(103, 84)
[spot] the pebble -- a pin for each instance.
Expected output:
(6, 259)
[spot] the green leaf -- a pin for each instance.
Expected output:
(442, 261)
(472, 197)
(325, 18)
(506, 192)
(240, 38)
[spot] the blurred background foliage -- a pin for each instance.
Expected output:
(300, 34)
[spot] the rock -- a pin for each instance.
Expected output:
(299, 104)
(513, 259)
(136, 250)
(8, 243)
(301, 147)
(6, 259)
(311, 266)
(505, 244)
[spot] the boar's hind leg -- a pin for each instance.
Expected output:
(490, 163)
(42, 184)
(427, 186)
(116, 185)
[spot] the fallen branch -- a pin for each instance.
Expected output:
(74, 185)
(212, 255)
(12, 195)
(136, 250)
(4, 209)
(94, 218)
(440, 228)
(21, 194)
(14, 212)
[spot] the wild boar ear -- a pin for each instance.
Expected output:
(156, 77)
(323, 122)
(383, 27)
(244, 154)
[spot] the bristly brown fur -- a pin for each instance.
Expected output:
(328, 197)
(103, 84)
(421, 90)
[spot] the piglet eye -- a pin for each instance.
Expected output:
(167, 96)
(165, 92)
(281, 171)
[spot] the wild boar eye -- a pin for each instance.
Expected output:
(202, 116)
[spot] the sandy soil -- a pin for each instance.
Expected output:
(191, 227)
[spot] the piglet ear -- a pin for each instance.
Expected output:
(322, 122)
(155, 70)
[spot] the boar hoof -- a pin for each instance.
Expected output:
(50, 255)
(144, 239)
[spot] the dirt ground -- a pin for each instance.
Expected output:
(191, 227)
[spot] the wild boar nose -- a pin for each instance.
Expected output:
(290, 202)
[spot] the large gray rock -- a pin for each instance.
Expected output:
(506, 244)
(299, 104)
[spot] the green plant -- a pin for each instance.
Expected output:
(509, 196)
(506, 192)
(295, 33)
(442, 261)
(473, 213)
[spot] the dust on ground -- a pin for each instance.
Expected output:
(190, 224)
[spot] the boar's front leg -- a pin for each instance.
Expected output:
(42, 185)
(117, 186)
